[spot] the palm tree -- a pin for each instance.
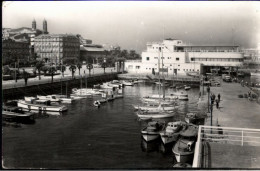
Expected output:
(89, 67)
(38, 66)
(79, 66)
(72, 68)
(52, 71)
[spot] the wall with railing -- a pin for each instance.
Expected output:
(227, 135)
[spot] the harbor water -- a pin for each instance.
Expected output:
(86, 137)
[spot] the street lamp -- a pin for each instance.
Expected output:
(104, 65)
(208, 90)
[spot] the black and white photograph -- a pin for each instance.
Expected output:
(130, 85)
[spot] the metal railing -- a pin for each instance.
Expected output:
(227, 135)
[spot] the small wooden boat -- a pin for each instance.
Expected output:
(191, 117)
(152, 130)
(181, 95)
(187, 87)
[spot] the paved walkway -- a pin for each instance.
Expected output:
(233, 112)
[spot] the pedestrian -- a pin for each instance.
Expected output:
(217, 103)
(218, 97)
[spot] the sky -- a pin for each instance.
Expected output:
(131, 24)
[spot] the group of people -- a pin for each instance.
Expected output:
(214, 99)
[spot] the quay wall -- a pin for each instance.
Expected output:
(183, 79)
(57, 86)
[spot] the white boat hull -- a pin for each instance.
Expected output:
(149, 136)
(155, 116)
(28, 106)
(168, 138)
(183, 158)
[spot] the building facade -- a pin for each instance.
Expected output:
(57, 48)
(174, 57)
(91, 52)
(13, 51)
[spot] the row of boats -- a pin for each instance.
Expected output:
(23, 110)
(182, 134)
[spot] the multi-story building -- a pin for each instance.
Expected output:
(175, 57)
(92, 51)
(13, 51)
(25, 34)
(57, 48)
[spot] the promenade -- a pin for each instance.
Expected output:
(230, 151)
(57, 78)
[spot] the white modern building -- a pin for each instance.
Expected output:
(174, 57)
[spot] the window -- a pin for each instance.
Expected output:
(178, 69)
(130, 67)
(197, 70)
(162, 57)
(147, 58)
(170, 64)
(178, 65)
(137, 67)
(177, 59)
(192, 59)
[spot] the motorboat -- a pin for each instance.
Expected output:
(152, 130)
(115, 83)
(154, 108)
(106, 86)
(40, 105)
(156, 97)
(16, 114)
(53, 99)
(78, 96)
(184, 147)
(181, 95)
(86, 91)
(187, 87)
(127, 83)
(191, 117)
(64, 98)
(172, 131)
(145, 115)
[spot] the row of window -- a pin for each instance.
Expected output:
(177, 58)
(138, 67)
(219, 59)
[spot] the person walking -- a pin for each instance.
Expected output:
(218, 97)
(217, 103)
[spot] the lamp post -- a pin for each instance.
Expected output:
(208, 90)
(104, 65)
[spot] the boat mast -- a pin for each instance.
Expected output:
(163, 87)
(159, 72)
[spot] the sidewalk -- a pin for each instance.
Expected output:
(234, 111)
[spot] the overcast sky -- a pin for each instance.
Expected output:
(132, 24)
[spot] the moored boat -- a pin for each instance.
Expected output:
(127, 83)
(53, 99)
(184, 147)
(146, 115)
(63, 98)
(191, 117)
(172, 131)
(16, 114)
(187, 87)
(152, 130)
(40, 105)
(181, 95)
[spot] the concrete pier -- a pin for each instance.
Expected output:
(231, 151)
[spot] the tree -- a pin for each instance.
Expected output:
(45, 69)
(52, 71)
(6, 70)
(38, 66)
(79, 66)
(89, 67)
(72, 68)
